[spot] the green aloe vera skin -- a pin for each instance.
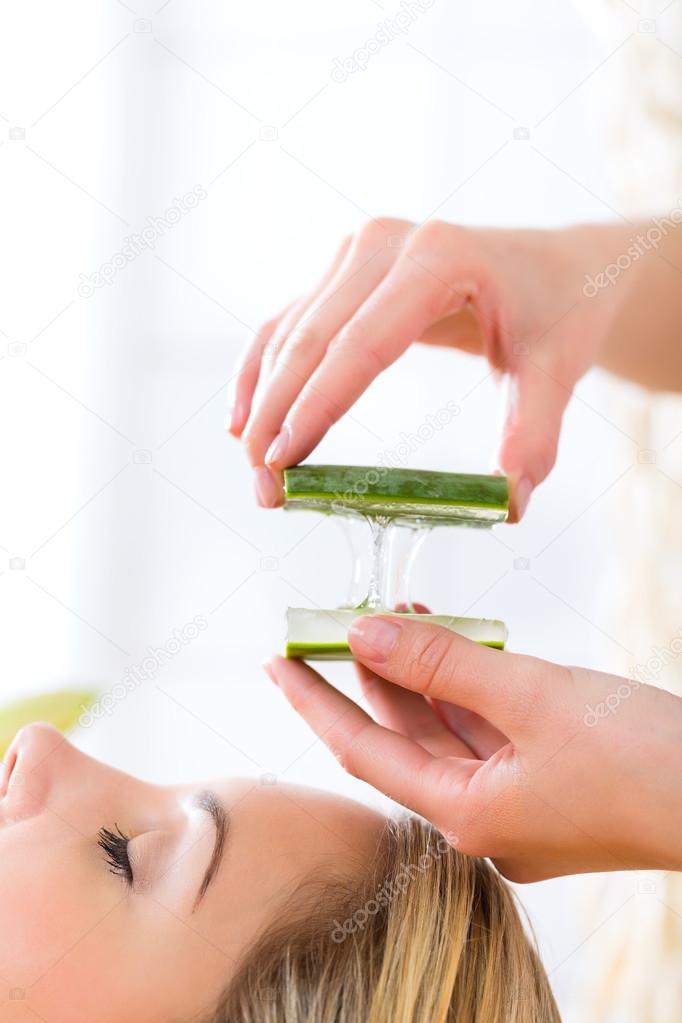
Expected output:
(323, 635)
(409, 495)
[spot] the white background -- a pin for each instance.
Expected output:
(121, 116)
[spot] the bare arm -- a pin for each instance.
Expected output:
(644, 343)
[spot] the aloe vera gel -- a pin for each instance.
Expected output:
(387, 515)
(322, 635)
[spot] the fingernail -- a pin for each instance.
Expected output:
(267, 490)
(524, 488)
(373, 639)
(237, 417)
(277, 450)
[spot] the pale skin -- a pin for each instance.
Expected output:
(517, 297)
(81, 943)
(548, 770)
(487, 745)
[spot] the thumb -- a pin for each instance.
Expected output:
(536, 404)
(504, 688)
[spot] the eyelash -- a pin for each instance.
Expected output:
(114, 845)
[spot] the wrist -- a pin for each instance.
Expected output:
(659, 826)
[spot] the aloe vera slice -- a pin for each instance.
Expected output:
(323, 635)
(61, 709)
(399, 494)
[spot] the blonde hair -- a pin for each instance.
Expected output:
(429, 936)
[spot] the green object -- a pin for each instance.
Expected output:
(61, 709)
(446, 498)
(322, 635)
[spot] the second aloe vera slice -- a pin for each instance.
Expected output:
(399, 494)
(323, 635)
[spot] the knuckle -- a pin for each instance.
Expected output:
(353, 747)
(346, 753)
(344, 245)
(372, 235)
(350, 338)
(438, 296)
(428, 278)
(347, 761)
(254, 443)
(353, 343)
(301, 338)
(431, 659)
(433, 235)
(375, 363)
(447, 250)
(270, 346)
(312, 405)
(268, 327)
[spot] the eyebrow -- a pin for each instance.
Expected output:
(210, 804)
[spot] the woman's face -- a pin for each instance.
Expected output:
(154, 934)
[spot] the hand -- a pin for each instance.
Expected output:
(547, 770)
(515, 296)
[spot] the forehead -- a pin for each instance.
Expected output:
(279, 836)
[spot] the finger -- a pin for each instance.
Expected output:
(411, 715)
(307, 302)
(506, 689)
(265, 359)
(286, 324)
(476, 735)
(395, 765)
(482, 738)
(245, 378)
(531, 434)
(304, 348)
(397, 312)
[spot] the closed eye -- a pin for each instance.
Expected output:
(114, 845)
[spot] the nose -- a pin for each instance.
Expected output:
(46, 773)
(34, 744)
(24, 783)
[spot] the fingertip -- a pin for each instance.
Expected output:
(239, 396)
(269, 488)
(277, 454)
(270, 670)
(519, 497)
(234, 424)
(373, 638)
(275, 667)
(290, 447)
